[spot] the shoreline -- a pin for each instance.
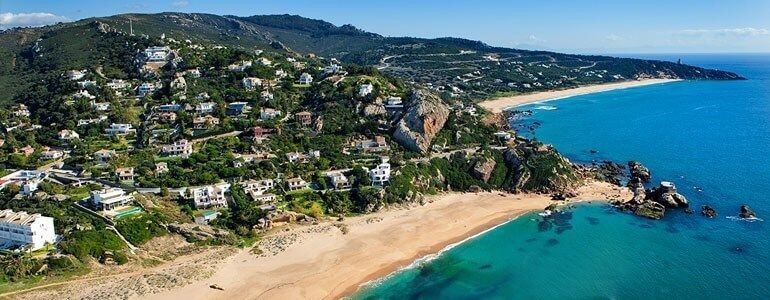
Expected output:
(334, 260)
(333, 265)
(501, 104)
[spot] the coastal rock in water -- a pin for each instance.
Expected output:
(639, 173)
(483, 168)
(667, 195)
(746, 212)
(650, 209)
(708, 211)
(422, 121)
(609, 171)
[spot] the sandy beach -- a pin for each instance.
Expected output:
(500, 104)
(325, 261)
(329, 264)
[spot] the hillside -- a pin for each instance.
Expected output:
(464, 68)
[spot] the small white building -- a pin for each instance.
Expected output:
(48, 154)
(194, 73)
(27, 180)
(161, 167)
(182, 148)
(76, 74)
(240, 67)
(380, 175)
(365, 89)
(68, 135)
(296, 184)
(21, 110)
(267, 113)
(86, 83)
(117, 84)
(109, 199)
(394, 102)
(305, 78)
(20, 229)
(258, 187)
(124, 174)
(332, 69)
(104, 156)
(205, 107)
(210, 196)
(251, 83)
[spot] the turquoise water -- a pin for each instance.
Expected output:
(711, 138)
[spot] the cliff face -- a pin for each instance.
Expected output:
(422, 121)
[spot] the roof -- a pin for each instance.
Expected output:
(18, 218)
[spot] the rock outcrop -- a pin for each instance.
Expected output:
(482, 169)
(422, 121)
(654, 202)
(747, 213)
(708, 211)
(639, 173)
(667, 195)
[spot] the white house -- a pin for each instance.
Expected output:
(296, 183)
(339, 180)
(394, 102)
(365, 89)
(210, 196)
(27, 180)
(161, 167)
(251, 83)
(68, 135)
(48, 154)
(240, 67)
(181, 148)
(268, 113)
(109, 199)
(103, 156)
(305, 78)
(380, 175)
(267, 95)
(21, 111)
(146, 88)
(156, 54)
(86, 83)
(25, 230)
(194, 73)
(205, 107)
(258, 187)
(76, 74)
(332, 68)
(124, 174)
(117, 84)
(119, 129)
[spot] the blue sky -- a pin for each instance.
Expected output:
(589, 26)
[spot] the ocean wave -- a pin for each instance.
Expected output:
(736, 218)
(545, 107)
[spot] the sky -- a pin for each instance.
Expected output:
(576, 26)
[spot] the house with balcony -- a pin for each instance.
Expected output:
(109, 199)
(119, 129)
(380, 175)
(210, 196)
(296, 183)
(182, 148)
(27, 231)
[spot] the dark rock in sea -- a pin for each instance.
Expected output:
(746, 212)
(592, 220)
(544, 226)
(562, 229)
(650, 209)
(688, 211)
(529, 240)
(486, 266)
(708, 211)
(551, 242)
(594, 151)
(609, 171)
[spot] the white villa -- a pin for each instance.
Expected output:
(240, 67)
(268, 113)
(25, 230)
(117, 84)
(205, 107)
(332, 69)
(21, 111)
(258, 187)
(27, 180)
(67, 135)
(305, 78)
(119, 129)
(109, 199)
(339, 181)
(48, 154)
(124, 174)
(296, 184)
(210, 196)
(394, 102)
(251, 83)
(76, 74)
(205, 122)
(365, 89)
(181, 148)
(145, 88)
(381, 174)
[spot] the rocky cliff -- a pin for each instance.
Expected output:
(423, 119)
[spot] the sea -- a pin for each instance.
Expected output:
(711, 138)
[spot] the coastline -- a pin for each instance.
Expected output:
(330, 260)
(330, 264)
(500, 104)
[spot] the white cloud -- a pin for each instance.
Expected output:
(180, 3)
(727, 32)
(8, 20)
